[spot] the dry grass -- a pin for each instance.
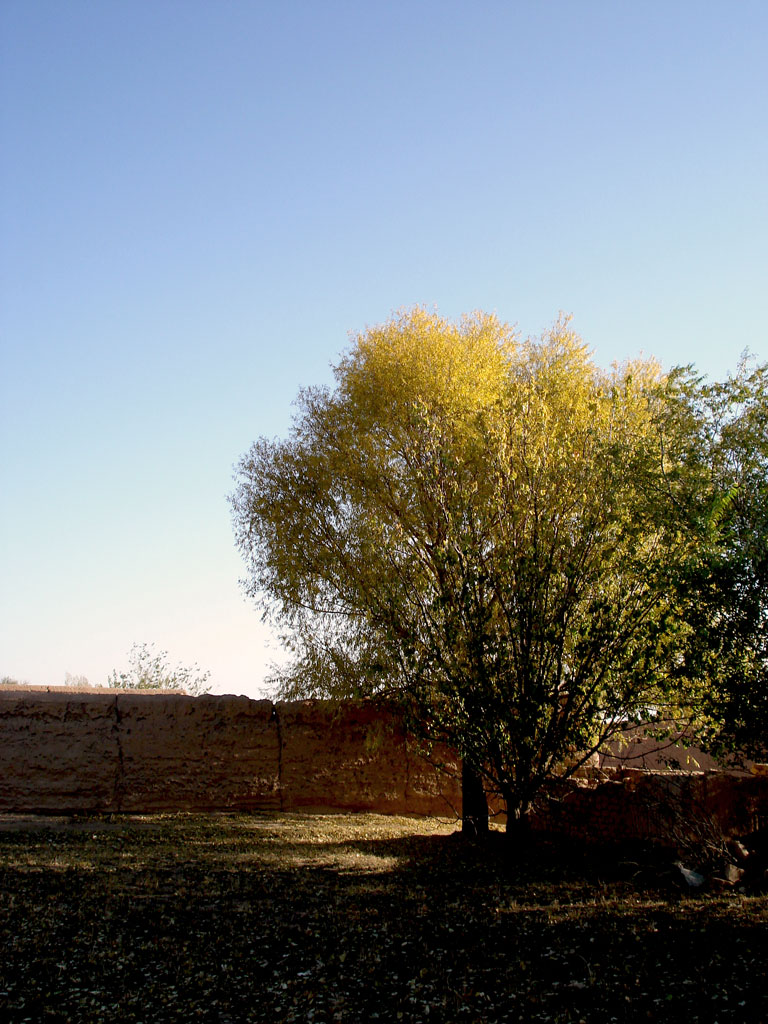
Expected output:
(356, 918)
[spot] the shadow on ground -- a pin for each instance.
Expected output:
(355, 918)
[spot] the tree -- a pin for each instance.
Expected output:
(76, 681)
(150, 670)
(462, 525)
(716, 435)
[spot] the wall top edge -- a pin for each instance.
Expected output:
(30, 693)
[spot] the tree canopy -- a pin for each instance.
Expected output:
(480, 528)
(719, 479)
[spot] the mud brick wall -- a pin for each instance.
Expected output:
(121, 751)
(356, 757)
(628, 804)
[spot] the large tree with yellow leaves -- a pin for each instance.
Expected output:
(466, 524)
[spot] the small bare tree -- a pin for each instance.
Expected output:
(151, 670)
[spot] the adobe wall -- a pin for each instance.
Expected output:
(636, 749)
(671, 807)
(122, 751)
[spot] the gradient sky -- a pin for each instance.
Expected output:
(200, 200)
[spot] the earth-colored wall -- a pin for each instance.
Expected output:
(121, 751)
(112, 751)
(666, 806)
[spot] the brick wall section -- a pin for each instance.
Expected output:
(134, 752)
(177, 752)
(356, 757)
(77, 751)
(57, 751)
(121, 751)
(620, 804)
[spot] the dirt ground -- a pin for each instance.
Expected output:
(354, 918)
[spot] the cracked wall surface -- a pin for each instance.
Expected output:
(126, 751)
(122, 751)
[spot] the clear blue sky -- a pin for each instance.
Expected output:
(199, 200)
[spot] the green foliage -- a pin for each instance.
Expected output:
(720, 489)
(151, 670)
(469, 524)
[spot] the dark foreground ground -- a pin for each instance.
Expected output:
(357, 918)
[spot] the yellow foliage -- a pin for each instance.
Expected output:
(463, 521)
(421, 359)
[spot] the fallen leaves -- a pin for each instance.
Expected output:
(344, 918)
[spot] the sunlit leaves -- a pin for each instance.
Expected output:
(465, 523)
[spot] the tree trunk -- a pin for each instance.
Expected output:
(518, 824)
(474, 804)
